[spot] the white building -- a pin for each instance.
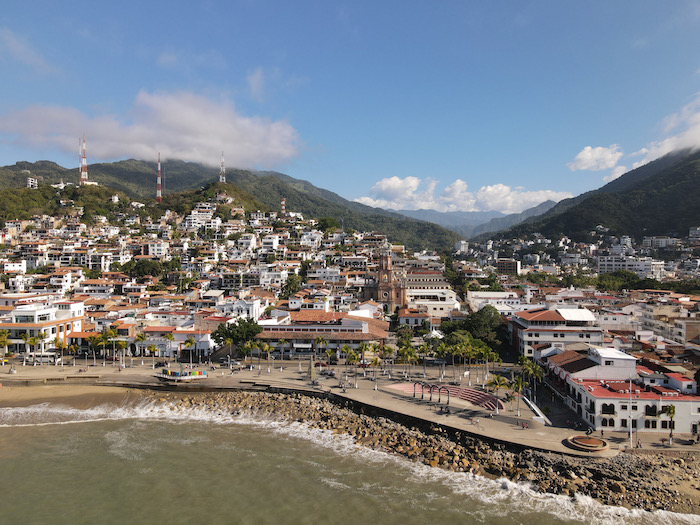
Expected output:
(644, 267)
(557, 327)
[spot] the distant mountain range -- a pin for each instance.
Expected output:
(659, 198)
(471, 223)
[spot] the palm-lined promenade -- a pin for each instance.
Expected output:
(469, 409)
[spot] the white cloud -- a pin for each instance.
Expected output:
(179, 125)
(411, 193)
(15, 49)
(596, 159)
(685, 124)
(615, 173)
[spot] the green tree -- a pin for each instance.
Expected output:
(140, 338)
(670, 411)
(291, 286)
(152, 350)
(282, 343)
(517, 386)
(4, 342)
(189, 343)
(497, 382)
(320, 341)
(239, 332)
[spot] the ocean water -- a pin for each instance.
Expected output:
(149, 463)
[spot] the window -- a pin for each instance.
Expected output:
(623, 407)
(623, 423)
(607, 408)
(609, 363)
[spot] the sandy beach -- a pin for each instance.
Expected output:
(76, 396)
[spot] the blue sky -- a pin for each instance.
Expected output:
(450, 105)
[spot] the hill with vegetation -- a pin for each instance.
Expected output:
(184, 183)
(659, 198)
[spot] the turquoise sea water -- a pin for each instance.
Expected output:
(152, 464)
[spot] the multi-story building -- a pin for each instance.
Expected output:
(556, 327)
(46, 322)
(644, 267)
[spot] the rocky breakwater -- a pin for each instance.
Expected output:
(646, 481)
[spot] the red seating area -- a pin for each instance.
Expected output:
(475, 397)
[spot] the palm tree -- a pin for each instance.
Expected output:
(497, 382)
(375, 364)
(319, 341)
(351, 359)
(282, 343)
(4, 342)
(189, 343)
(441, 353)
(264, 347)
(517, 386)
(534, 373)
(60, 346)
(245, 349)
(121, 346)
(94, 342)
(469, 354)
(169, 337)
(108, 336)
(670, 411)
(345, 349)
(25, 337)
(73, 349)
(152, 350)
(39, 340)
(329, 352)
(457, 351)
(362, 348)
(425, 349)
(140, 338)
(32, 342)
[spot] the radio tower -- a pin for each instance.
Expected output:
(159, 196)
(222, 171)
(83, 163)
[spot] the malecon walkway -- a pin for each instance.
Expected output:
(468, 412)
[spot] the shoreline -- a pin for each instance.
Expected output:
(632, 480)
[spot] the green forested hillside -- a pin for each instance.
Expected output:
(184, 182)
(660, 198)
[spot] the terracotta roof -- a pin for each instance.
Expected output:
(328, 336)
(540, 315)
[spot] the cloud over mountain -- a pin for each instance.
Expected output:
(180, 125)
(412, 193)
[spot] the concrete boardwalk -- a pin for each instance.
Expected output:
(463, 416)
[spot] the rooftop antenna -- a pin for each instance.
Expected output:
(83, 163)
(159, 196)
(222, 171)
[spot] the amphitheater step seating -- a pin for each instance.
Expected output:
(475, 397)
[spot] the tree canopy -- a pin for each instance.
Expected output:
(239, 332)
